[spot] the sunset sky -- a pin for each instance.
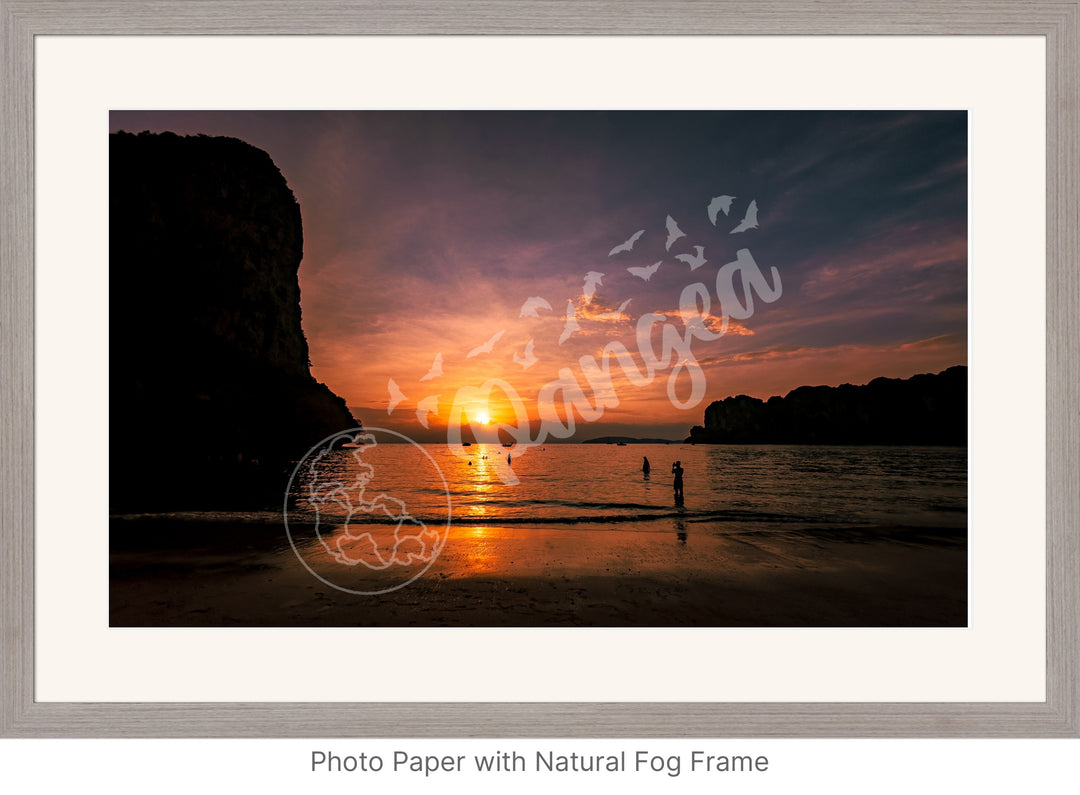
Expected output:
(426, 232)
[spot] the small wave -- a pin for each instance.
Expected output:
(233, 517)
(577, 505)
(496, 518)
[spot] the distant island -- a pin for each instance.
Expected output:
(628, 440)
(925, 409)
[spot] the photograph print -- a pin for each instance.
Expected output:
(538, 369)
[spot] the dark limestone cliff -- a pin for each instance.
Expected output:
(921, 410)
(211, 399)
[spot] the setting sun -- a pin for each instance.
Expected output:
(483, 418)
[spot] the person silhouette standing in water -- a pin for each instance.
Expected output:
(645, 468)
(677, 471)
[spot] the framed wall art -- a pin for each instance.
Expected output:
(557, 371)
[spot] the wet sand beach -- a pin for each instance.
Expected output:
(193, 572)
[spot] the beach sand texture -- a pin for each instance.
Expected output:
(550, 576)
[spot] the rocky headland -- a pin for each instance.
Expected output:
(927, 409)
(211, 397)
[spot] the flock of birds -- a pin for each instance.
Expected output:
(593, 279)
(719, 204)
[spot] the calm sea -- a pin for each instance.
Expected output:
(589, 484)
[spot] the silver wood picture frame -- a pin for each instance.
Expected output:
(22, 716)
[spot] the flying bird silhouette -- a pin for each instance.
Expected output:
(592, 278)
(436, 369)
(695, 261)
(720, 204)
(429, 405)
(645, 273)
(628, 245)
(673, 233)
(528, 309)
(749, 220)
(529, 358)
(617, 314)
(396, 396)
(571, 323)
(487, 347)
